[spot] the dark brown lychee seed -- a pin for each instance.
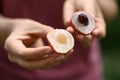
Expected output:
(83, 19)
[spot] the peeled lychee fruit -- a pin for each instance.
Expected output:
(83, 22)
(60, 40)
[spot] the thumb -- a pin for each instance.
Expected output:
(42, 30)
(45, 29)
(68, 10)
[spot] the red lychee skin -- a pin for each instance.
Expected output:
(76, 29)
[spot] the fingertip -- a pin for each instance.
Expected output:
(95, 32)
(46, 30)
(102, 35)
(70, 29)
(89, 37)
(66, 21)
(80, 37)
(98, 34)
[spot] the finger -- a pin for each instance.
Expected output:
(70, 29)
(45, 30)
(68, 54)
(19, 49)
(100, 29)
(89, 37)
(99, 33)
(68, 11)
(38, 43)
(85, 40)
(91, 8)
(40, 30)
(37, 64)
(101, 25)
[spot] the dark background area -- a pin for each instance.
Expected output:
(111, 49)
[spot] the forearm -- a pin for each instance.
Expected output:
(5, 28)
(109, 8)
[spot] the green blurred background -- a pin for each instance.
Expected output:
(111, 50)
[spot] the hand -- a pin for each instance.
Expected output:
(90, 6)
(26, 48)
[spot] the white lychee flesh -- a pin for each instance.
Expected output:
(60, 40)
(85, 29)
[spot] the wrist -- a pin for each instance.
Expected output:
(5, 28)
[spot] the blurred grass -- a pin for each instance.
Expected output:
(111, 65)
(111, 50)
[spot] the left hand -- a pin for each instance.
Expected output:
(25, 45)
(92, 7)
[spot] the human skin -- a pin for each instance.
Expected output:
(23, 42)
(109, 9)
(94, 7)
(22, 38)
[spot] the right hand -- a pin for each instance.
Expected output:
(90, 6)
(26, 48)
